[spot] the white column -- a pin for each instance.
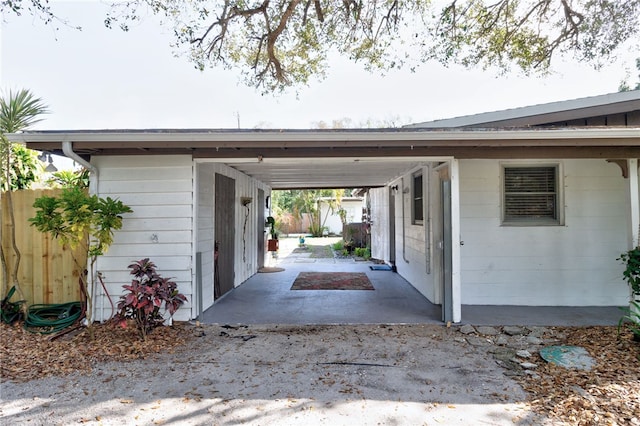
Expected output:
(456, 291)
(634, 195)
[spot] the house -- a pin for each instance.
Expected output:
(330, 217)
(530, 206)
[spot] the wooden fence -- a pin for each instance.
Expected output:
(47, 272)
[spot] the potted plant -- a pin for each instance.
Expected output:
(272, 243)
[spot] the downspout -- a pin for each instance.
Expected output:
(634, 182)
(67, 149)
(427, 238)
(404, 239)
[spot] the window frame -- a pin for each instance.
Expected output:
(558, 220)
(415, 198)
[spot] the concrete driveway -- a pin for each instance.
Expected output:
(266, 298)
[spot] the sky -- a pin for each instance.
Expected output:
(109, 79)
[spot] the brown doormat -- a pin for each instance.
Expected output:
(268, 269)
(332, 281)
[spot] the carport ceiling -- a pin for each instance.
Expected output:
(349, 172)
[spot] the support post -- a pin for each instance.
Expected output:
(456, 290)
(634, 197)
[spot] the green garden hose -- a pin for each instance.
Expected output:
(48, 319)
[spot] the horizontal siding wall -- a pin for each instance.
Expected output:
(159, 191)
(412, 254)
(205, 243)
(570, 265)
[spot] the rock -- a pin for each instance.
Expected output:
(524, 354)
(534, 340)
(488, 331)
(513, 331)
(538, 331)
(528, 365)
(502, 341)
(503, 354)
(568, 357)
(467, 329)
(478, 341)
(532, 374)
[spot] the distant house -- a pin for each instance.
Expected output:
(529, 206)
(352, 207)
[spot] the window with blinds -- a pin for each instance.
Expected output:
(531, 195)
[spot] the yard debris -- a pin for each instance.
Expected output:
(27, 356)
(607, 394)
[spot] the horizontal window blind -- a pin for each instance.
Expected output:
(530, 193)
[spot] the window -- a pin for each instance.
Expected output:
(418, 209)
(531, 195)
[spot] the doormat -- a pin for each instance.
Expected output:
(380, 267)
(268, 269)
(332, 281)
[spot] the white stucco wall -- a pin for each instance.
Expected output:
(570, 265)
(159, 190)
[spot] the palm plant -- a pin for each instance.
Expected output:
(19, 110)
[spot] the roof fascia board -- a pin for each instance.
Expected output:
(596, 105)
(301, 138)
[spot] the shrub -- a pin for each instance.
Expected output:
(77, 219)
(338, 246)
(631, 273)
(363, 252)
(632, 316)
(147, 293)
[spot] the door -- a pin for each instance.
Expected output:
(444, 237)
(261, 234)
(447, 288)
(225, 212)
(392, 227)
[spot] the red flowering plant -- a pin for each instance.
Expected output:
(145, 296)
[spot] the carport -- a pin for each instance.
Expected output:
(167, 174)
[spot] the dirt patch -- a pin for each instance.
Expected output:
(297, 374)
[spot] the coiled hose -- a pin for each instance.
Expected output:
(49, 319)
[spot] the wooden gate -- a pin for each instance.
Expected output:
(47, 273)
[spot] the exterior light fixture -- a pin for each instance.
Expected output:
(45, 156)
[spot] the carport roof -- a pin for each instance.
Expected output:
(341, 158)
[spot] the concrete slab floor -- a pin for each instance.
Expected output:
(266, 298)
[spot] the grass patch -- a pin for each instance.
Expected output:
(320, 252)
